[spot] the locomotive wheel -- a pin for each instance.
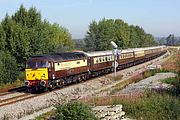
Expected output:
(52, 86)
(59, 84)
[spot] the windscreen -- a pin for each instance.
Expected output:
(37, 64)
(41, 64)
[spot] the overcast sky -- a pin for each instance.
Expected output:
(157, 17)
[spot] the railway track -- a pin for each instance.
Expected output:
(23, 96)
(14, 94)
(15, 99)
(12, 90)
(11, 96)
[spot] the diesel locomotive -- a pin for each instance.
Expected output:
(59, 69)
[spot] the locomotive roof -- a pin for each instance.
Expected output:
(61, 56)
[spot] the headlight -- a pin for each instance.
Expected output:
(26, 83)
(42, 83)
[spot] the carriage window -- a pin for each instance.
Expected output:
(58, 64)
(100, 59)
(96, 60)
(106, 58)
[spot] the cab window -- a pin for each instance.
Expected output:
(41, 64)
(37, 64)
(31, 65)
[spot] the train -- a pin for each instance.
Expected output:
(49, 71)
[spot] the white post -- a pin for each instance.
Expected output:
(114, 52)
(115, 56)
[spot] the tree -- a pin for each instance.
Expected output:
(101, 33)
(16, 40)
(91, 37)
(2, 39)
(25, 34)
(8, 68)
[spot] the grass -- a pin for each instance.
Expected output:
(47, 116)
(171, 81)
(135, 79)
(173, 63)
(175, 90)
(17, 83)
(118, 77)
(152, 106)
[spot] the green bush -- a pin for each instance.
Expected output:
(176, 83)
(22, 76)
(154, 107)
(75, 111)
(8, 68)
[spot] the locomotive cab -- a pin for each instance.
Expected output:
(37, 72)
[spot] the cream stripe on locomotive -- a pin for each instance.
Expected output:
(70, 64)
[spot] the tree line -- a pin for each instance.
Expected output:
(25, 34)
(101, 33)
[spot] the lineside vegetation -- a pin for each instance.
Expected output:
(25, 34)
(101, 33)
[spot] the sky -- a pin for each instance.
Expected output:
(157, 17)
